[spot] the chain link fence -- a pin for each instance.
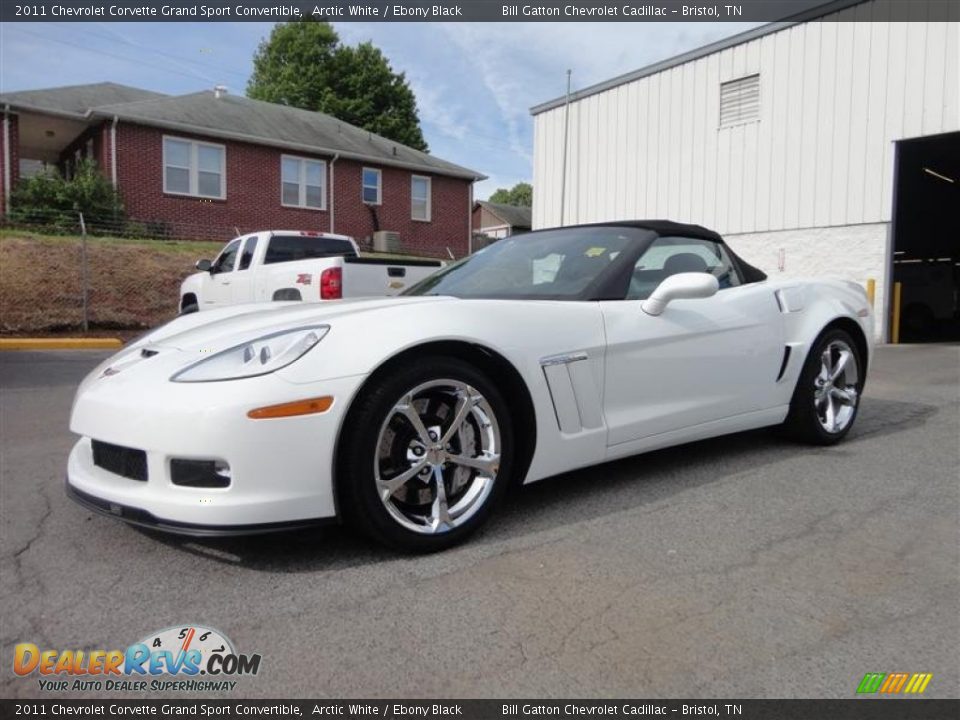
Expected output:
(65, 273)
(62, 272)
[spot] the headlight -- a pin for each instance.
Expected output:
(257, 357)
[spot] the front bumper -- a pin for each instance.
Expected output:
(281, 470)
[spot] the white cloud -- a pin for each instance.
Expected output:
(500, 77)
(437, 109)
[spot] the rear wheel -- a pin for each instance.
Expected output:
(426, 455)
(827, 397)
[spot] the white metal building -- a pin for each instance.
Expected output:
(787, 139)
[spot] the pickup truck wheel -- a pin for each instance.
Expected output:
(188, 305)
(427, 455)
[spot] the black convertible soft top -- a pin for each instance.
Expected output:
(669, 228)
(665, 228)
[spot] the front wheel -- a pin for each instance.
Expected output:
(188, 304)
(426, 455)
(827, 397)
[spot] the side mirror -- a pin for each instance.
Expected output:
(204, 265)
(682, 286)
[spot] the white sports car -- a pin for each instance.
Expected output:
(409, 417)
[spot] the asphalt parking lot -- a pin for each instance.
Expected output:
(743, 566)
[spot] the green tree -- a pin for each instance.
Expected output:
(304, 65)
(520, 194)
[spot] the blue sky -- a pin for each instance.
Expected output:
(475, 82)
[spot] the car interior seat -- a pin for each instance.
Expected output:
(684, 262)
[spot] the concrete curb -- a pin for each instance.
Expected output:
(60, 344)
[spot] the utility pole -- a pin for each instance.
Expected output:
(563, 175)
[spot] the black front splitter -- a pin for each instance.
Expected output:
(144, 519)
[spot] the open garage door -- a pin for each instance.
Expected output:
(926, 260)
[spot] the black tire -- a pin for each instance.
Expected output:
(188, 309)
(362, 447)
(804, 421)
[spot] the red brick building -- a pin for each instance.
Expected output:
(212, 165)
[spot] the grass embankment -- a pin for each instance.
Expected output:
(133, 284)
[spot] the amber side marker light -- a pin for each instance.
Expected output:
(291, 409)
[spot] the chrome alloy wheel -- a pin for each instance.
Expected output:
(835, 387)
(438, 455)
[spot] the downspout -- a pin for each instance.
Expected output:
(113, 152)
(470, 219)
(6, 160)
(332, 190)
(563, 172)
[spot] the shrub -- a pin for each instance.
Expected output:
(48, 199)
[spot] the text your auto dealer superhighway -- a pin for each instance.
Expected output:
(145, 11)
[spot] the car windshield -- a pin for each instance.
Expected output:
(552, 264)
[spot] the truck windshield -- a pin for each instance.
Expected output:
(285, 248)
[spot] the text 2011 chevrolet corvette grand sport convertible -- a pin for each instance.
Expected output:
(410, 416)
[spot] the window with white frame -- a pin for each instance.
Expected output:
(194, 168)
(372, 186)
(420, 198)
(303, 182)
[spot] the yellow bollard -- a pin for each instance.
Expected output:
(871, 290)
(895, 320)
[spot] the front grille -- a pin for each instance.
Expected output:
(123, 461)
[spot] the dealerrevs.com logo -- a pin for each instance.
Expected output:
(188, 658)
(894, 683)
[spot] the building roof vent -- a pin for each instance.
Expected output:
(740, 101)
(219, 91)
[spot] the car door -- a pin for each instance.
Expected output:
(220, 290)
(699, 361)
(242, 282)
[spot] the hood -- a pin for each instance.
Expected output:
(186, 339)
(215, 330)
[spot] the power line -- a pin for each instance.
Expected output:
(126, 41)
(184, 72)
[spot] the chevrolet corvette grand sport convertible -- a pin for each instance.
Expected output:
(409, 417)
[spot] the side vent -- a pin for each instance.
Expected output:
(573, 391)
(564, 400)
(791, 299)
(784, 363)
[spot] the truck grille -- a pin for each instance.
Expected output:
(123, 461)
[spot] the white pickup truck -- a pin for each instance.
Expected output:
(295, 265)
